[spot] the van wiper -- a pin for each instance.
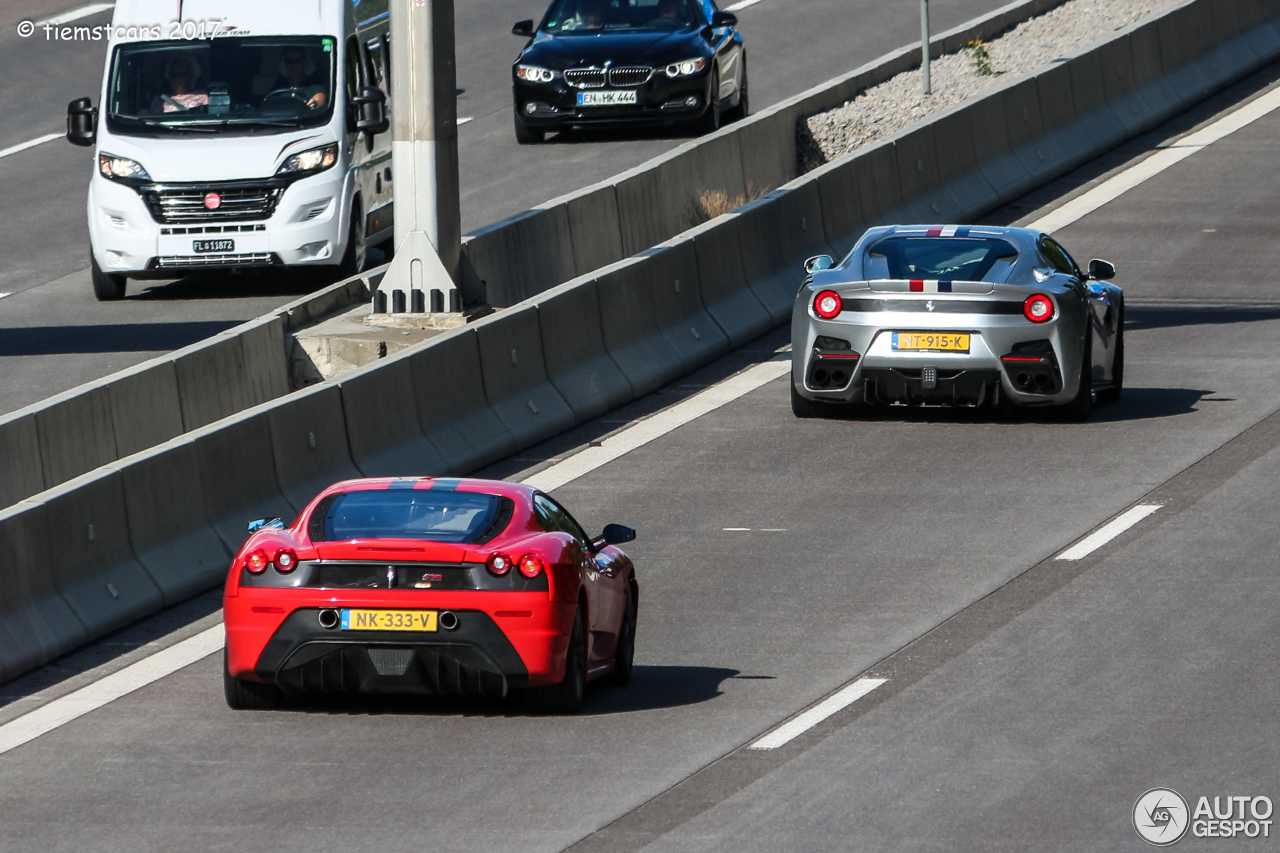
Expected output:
(167, 125)
(255, 122)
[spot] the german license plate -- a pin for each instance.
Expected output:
(204, 246)
(607, 98)
(388, 620)
(931, 341)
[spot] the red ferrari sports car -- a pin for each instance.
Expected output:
(431, 586)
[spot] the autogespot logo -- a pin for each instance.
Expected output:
(1160, 816)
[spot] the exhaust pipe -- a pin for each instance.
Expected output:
(329, 619)
(449, 620)
(1022, 380)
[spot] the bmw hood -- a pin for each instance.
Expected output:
(188, 157)
(641, 48)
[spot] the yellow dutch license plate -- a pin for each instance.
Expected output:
(933, 341)
(388, 620)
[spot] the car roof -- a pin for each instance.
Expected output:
(451, 484)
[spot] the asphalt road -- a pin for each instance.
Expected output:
(54, 335)
(1029, 702)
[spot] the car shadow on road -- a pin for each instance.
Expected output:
(121, 337)
(1135, 404)
(1142, 317)
(651, 688)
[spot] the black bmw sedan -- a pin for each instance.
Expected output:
(627, 61)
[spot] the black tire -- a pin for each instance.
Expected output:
(743, 109)
(353, 261)
(565, 697)
(803, 407)
(1077, 411)
(625, 656)
(107, 287)
(248, 695)
(526, 135)
(1112, 394)
(710, 121)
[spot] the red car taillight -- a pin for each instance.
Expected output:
(499, 564)
(828, 305)
(256, 562)
(531, 565)
(286, 560)
(1038, 308)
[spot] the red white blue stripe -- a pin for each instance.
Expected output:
(920, 285)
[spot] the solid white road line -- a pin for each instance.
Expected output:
(660, 424)
(836, 702)
(1105, 534)
(742, 4)
(48, 137)
(49, 717)
(3, 295)
(1117, 186)
(76, 14)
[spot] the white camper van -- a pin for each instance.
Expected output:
(240, 134)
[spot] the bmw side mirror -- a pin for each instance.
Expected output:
(523, 28)
(1101, 270)
(724, 19)
(258, 524)
(371, 111)
(818, 263)
(614, 534)
(82, 122)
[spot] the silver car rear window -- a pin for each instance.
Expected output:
(942, 258)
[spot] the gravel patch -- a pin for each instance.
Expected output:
(893, 105)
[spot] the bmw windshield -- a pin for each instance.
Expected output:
(235, 83)
(592, 17)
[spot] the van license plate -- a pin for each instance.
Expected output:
(203, 246)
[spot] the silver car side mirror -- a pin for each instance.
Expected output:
(818, 262)
(1101, 270)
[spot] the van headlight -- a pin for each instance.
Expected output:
(121, 168)
(314, 160)
(534, 74)
(685, 67)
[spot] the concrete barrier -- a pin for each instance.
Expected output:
(996, 161)
(842, 217)
(879, 190)
(1259, 29)
(926, 197)
(662, 198)
(631, 328)
(76, 433)
(168, 531)
(1065, 143)
(728, 300)
(266, 363)
(958, 165)
(515, 377)
(1089, 97)
(19, 458)
(448, 388)
(1148, 70)
(309, 444)
(1184, 34)
(1021, 101)
(144, 406)
(93, 566)
(677, 304)
(519, 256)
(768, 145)
(211, 381)
(573, 350)
(594, 229)
(238, 476)
(383, 431)
(775, 231)
(36, 625)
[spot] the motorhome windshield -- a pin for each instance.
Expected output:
(236, 83)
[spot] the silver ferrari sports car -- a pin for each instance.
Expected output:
(956, 315)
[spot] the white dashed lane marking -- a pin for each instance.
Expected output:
(1107, 532)
(798, 725)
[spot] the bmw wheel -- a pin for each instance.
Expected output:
(526, 135)
(710, 121)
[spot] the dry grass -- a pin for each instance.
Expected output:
(713, 203)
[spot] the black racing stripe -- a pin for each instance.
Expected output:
(403, 483)
(445, 484)
(940, 306)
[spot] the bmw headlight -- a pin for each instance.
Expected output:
(534, 74)
(314, 160)
(121, 168)
(685, 67)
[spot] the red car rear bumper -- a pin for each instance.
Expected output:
(502, 641)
